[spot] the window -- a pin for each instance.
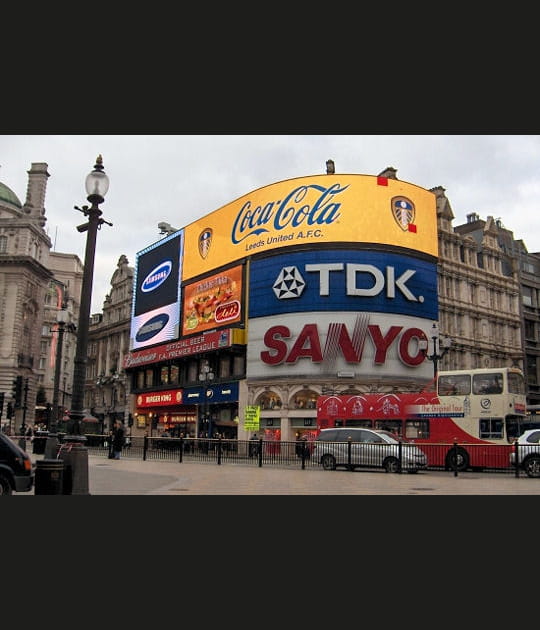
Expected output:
(491, 428)
(175, 374)
(534, 438)
(530, 330)
(527, 296)
(417, 429)
(491, 383)
(3, 244)
(393, 426)
(164, 376)
(149, 378)
(454, 385)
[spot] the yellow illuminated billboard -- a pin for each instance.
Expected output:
(313, 210)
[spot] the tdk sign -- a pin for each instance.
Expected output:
(343, 280)
(157, 276)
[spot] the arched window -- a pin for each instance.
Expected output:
(269, 401)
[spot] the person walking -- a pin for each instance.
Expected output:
(117, 439)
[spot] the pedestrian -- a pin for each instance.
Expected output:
(253, 447)
(117, 439)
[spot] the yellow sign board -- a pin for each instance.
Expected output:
(310, 211)
(252, 414)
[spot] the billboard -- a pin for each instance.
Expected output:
(155, 314)
(351, 312)
(213, 301)
(337, 344)
(315, 210)
(328, 279)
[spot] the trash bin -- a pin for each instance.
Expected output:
(38, 444)
(49, 477)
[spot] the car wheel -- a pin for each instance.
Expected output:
(5, 485)
(532, 466)
(391, 465)
(328, 462)
(462, 459)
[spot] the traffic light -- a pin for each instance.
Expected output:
(1, 403)
(17, 390)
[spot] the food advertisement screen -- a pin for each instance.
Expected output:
(214, 301)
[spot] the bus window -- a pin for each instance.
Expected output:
(393, 426)
(488, 383)
(417, 429)
(491, 428)
(516, 383)
(355, 422)
(454, 385)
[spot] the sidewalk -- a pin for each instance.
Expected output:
(138, 477)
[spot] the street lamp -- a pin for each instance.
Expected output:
(62, 319)
(97, 185)
(207, 376)
(438, 352)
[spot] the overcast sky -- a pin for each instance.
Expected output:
(180, 178)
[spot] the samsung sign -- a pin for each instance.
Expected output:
(157, 277)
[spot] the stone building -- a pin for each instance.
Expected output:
(107, 388)
(25, 278)
(488, 289)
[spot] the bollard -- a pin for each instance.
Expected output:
(49, 478)
(75, 458)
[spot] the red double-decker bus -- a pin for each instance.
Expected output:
(468, 409)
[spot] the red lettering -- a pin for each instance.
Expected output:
(309, 335)
(382, 343)
(406, 337)
(338, 340)
(279, 346)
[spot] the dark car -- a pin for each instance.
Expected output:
(16, 469)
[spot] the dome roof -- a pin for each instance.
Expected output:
(7, 195)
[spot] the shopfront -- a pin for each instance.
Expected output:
(192, 412)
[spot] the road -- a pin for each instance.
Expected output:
(139, 477)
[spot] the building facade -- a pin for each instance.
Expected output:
(107, 388)
(198, 382)
(25, 278)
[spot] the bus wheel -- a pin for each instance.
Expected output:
(532, 466)
(328, 462)
(391, 465)
(462, 459)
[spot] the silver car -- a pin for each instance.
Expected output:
(528, 448)
(361, 447)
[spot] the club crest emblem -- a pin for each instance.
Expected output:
(205, 240)
(404, 212)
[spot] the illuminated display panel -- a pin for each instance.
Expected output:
(322, 279)
(321, 209)
(213, 301)
(157, 292)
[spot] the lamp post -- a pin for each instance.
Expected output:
(97, 185)
(62, 318)
(207, 376)
(438, 352)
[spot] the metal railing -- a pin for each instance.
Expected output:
(452, 457)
